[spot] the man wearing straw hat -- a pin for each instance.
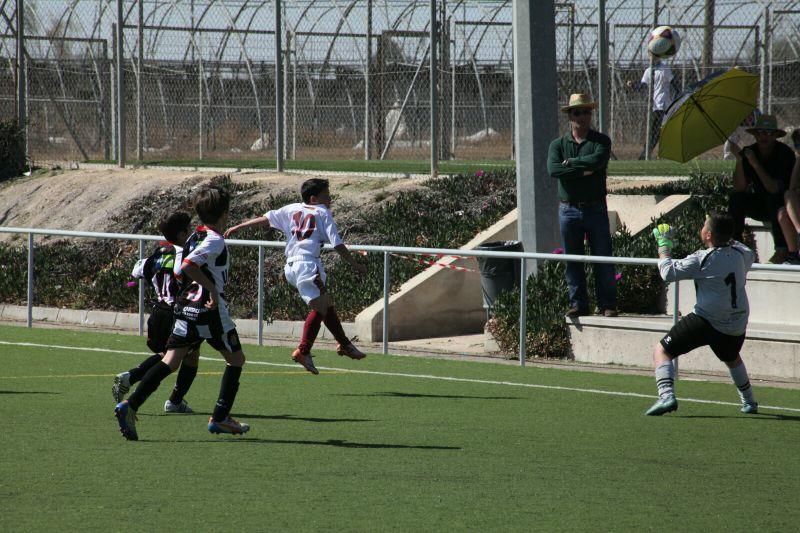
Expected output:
(760, 180)
(578, 160)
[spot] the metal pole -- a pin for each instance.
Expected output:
(675, 317)
(368, 87)
(141, 291)
(140, 51)
(648, 121)
(287, 59)
(769, 50)
(30, 280)
(112, 73)
(120, 86)
(602, 66)
(764, 48)
(261, 296)
(386, 281)
(200, 77)
(434, 92)
(278, 89)
(294, 101)
(22, 79)
(523, 310)
(452, 92)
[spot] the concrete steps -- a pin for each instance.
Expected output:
(771, 349)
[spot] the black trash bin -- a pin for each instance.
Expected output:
(498, 274)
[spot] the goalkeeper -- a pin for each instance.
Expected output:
(720, 315)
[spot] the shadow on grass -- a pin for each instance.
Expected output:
(760, 416)
(330, 442)
(245, 417)
(391, 394)
(27, 392)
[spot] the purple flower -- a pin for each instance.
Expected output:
(479, 174)
(558, 251)
(618, 276)
(131, 284)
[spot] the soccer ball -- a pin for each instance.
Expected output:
(663, 42)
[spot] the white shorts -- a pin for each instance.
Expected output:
(308, 277)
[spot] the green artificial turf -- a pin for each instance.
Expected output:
(403, 444)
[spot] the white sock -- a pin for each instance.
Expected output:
(665, 380)
(742, 382)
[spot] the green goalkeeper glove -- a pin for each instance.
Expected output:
(663, 235)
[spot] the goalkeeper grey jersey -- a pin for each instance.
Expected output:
(719, 276)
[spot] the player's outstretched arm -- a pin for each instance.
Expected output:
(253, 222)
(345, 254)
(195, 274)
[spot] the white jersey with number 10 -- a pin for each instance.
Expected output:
(307, 227)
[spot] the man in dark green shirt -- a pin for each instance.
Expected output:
(579, 160)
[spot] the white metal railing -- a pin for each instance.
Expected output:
(385, 250)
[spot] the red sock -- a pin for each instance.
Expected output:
(310, 331)
(334, 325)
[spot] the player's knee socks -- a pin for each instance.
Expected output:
(227, 392)
(742, 382)
(334, 325)
(186, 376)
(150, 382)
(136, 374)
(665, 379)
(310, 331)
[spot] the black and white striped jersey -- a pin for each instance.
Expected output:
(163, 269)
(719, 275)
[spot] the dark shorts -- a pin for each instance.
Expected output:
(215, 327)
(159, 327)
(693, 332)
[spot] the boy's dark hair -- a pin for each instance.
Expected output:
(313, 187)
(211, 203)
(174, 223)
(721, 227)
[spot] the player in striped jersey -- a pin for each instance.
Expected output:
(201, 314)
(163, 270)
(720, 314)
(308, 226)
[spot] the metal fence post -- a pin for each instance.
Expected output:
(386, 282)
(200, 80)
(141, 291)
(139, 112)
(675, 317)
(368, 87)
(22, 79)
(602, 66)
(278, 89)
(523, 310)
(30, 280)
(261, 296)
(434, 92)
(120, 85)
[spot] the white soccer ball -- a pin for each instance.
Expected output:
(663, 41)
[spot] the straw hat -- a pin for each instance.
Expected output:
(579, 100)
(767, 122)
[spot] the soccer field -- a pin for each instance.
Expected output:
(388, 443)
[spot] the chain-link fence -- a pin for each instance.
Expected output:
(200, 77)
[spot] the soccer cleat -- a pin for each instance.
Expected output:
(126, 417)
(663, 406)
(350, 351)
(121, 386)
(750, 408)
(229, 425)
(305, 360)
(182, 407)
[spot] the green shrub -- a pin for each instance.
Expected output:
(12, 150)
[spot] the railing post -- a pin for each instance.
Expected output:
(675, 318)
(30, 280)
(386, 282)
(523, 309)
(261, 296)
(141, 291)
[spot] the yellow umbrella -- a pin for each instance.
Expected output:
(707, 113)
